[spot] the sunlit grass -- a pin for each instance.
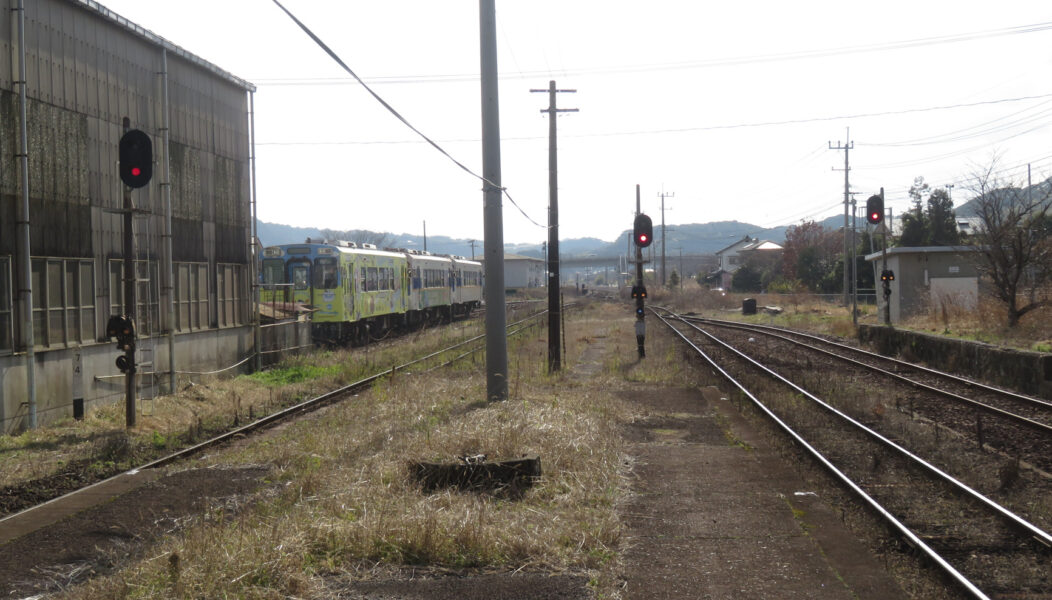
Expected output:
(345, 506)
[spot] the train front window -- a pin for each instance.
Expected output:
(326, 274)
(301, 276)
(273, 270)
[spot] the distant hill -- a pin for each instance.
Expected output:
(272, 234)
(693, 239)
(1037, 191)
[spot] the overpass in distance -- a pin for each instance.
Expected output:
(691, 264)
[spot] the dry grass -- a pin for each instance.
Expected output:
(348, 509)
(986, 322)
(199, 409)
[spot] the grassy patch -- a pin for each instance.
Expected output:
(347, 505)
(282, 376)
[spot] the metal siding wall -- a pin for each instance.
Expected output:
(7, 49)
(85, 73)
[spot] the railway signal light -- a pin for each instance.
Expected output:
(642, 231)
(887, 275)
(639, 291)
(875, 209)
(122, 328)
(136, 158)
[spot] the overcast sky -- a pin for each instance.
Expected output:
(730, 106)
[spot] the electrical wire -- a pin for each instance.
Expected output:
(984, 128)
(699, 64)
(710, 127)
(953, 154)
(398, 115)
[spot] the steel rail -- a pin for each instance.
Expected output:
(260, 423)
(1037, 402)
(905, 531)
(1016, 418)
(1040, 534)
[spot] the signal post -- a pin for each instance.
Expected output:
(135, 154)
(875, 216)
(642, 236)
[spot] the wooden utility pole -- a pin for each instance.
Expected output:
(846, 147)
(664, 195)
(554, 310)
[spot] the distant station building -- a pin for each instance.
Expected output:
(928, 277)
(87, 71)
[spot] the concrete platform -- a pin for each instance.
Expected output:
(713, 518)
(38, 517)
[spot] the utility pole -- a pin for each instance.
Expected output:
(472, 242)
(681, 274)
(846, 147)
(554, 316)
(664, 195)
(493, 217)
(425, 236)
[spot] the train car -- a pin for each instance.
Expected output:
(430, 289)
(286, 273)
(359, 292)
(354, 291)
(467, 286)
(376, 296)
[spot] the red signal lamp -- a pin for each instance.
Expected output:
(642, 231)
(875, 209)
(135, 154)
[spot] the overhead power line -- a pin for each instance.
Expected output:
(704, 128)
(979, 129)
(698, 64)
(396, 114)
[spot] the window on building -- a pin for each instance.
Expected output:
(229, 297)
(7, 325)
(147, 294)
(63, 302)
(191, 296)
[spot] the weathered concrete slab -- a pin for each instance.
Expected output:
(716, 519)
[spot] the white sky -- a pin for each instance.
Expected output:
(663, 100)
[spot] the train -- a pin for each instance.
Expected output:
(358, 292)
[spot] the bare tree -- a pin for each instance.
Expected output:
(1012, 240)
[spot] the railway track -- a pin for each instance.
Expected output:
(989, 535)
(1014, 424)
(40, 512)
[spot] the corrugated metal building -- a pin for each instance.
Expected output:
(86, 71)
